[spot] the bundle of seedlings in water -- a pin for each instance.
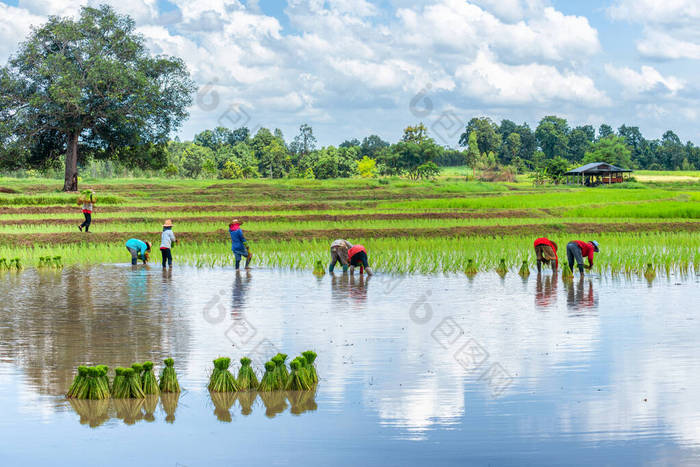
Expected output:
(650, 272)
(168, 378)
(297, 379)
(524, 270)
(4, 264)
(105, 377)
(79, 382)
(148, 379)
(120, 390)
(269, 380)
(281, 369)
(319, 269)
(44, 261)
(566, 272)
(133, 381)
(97, 389)
(57, 262)
(502, 269)
(15, 263)
(169, 400)
(246, 376)
(471, 268)
(221, 378)
(310, 357)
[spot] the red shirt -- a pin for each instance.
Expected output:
(354, 250)
(587, 250)
(548, 242)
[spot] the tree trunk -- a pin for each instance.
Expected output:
(71, 179)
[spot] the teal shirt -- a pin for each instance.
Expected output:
(137, 245)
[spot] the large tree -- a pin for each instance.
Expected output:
(89, 87)
(486, 134)
(552, 135)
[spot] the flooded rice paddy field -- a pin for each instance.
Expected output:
(419, 370)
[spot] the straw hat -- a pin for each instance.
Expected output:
(236, 221)
(168, 223)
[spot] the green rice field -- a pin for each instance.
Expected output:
(422, 227)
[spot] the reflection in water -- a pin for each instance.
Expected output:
(579, 294)
(129, 411)
(246, 399)
(546, 291)
(92, 413)
(241, 284)
(302, 401)
(168, 402)
(275, 402)
(223, 401)
(349, 287)
(150, 405)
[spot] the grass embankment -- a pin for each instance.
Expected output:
(406, 226)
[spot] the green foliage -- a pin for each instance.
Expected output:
(367, 167)
(148, 379)
(221, 378)
(246, 376)
(168, 378)
(611, 149)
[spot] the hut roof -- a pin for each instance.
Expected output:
(596, 168)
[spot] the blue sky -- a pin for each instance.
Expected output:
(350, 68)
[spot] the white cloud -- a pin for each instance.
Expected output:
(498, 83)
(670, 26)
(646, 80)
(15, 24)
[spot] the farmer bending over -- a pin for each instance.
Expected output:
(577, 250)
(357, 256)
(339, 252)
(139, 250)
(546, 252)
(238, 244)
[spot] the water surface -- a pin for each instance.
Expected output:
(420, 370)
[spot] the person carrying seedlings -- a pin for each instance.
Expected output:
(546, 252)
(167, 239)
(239, 244)
(577, 250)
(139, 250)
(357, 256)
(87, 200)
(339, 253)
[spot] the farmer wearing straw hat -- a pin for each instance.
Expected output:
(138, 249)
(577, 250)
(167, 239)
(339, 253)
(239, 244)
(546, 252)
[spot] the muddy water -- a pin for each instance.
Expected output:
(426, 370)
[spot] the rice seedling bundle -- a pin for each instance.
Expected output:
(3, 264)
(221, 378)
(650, 272)
(502, 269)
(282, 373)
(246, 376)
(168, 378)
(319, 269)
(57, 262)
(105, 376)
(15, 263)
(96, 387)
(120, 389)
(566, 272)
(471, 268)
(79, 382)
(269, 381)
(148, 379)
(133, 381)
(297, 380)
(524, 270)
(310, 357)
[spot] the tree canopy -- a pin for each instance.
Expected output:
(88, 87)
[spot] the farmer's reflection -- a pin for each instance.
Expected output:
(241, 284)
(546, 290)
(351, 287)
(138, 286)
(580, 294)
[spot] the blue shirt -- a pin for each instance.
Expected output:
(237, 241)
(137, 245)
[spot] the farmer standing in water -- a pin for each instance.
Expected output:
(577, 250)
(546, 252)
(339, 253)
(239, 244)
